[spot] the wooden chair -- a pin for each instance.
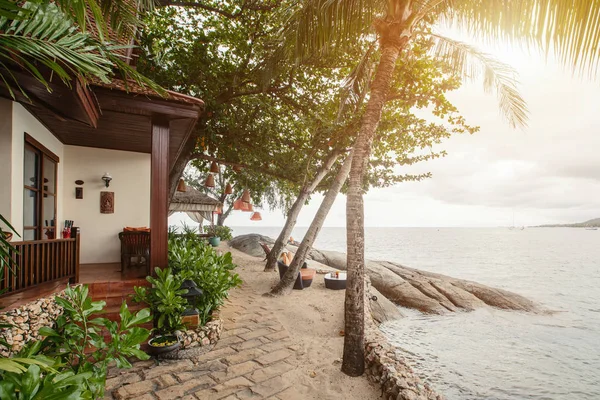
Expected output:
(303, 280)
(134, 244)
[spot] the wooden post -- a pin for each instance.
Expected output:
(76, 255)
(159, 188)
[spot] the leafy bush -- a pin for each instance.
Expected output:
(164, 299)
(72, 361)
(224, 232)
(213, 273)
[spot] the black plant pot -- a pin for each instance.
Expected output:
(158, 350)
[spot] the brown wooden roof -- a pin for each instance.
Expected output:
(110, 116)
(134, 88)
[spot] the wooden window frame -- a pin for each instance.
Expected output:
(43, 153)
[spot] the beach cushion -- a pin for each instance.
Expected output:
(139, 229)
(308, 273)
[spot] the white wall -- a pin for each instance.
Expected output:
(131, 185)
(5, 158)
(23, 122)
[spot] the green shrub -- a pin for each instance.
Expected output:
(213, 273)
(164, 299)
(63, 365)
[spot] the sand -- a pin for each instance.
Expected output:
(314, 318)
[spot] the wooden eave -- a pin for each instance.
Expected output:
(109, 118)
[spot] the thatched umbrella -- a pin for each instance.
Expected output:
(196, 204)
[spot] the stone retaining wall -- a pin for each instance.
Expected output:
(385, 367)
(202, 335)
(27, 321)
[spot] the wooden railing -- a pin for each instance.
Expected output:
(40, 261)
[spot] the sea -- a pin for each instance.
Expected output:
(491, 353)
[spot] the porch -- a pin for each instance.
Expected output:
(54, 153)
(48, 266)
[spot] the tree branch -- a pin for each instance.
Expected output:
(246, 6)
(200, 156)
(198, 5)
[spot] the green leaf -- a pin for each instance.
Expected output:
(31, 381)
(7, 390)
(47, 331)
(9, 365)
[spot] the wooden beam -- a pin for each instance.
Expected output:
(132, 103)
(159, 189)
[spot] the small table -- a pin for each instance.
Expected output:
(333, 283)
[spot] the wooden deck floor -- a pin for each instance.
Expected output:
(97, 273)
(88, 274)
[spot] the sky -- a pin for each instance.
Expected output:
(548, 172)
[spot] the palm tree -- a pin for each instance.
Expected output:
(53, 39)
(568, 28)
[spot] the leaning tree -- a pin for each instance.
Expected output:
(402, 137)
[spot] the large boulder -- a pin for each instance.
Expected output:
(409, 287)
(250, 244)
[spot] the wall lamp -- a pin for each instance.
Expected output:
(107, 178)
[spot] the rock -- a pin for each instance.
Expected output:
(408, 287)
(250, 244)
(382, 309)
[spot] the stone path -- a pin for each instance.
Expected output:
(255, 358)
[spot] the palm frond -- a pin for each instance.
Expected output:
(46, 37)
(356, 85)
(320, 27)
(130, 74)
(121, 17)
(470, 64)
(10, 9)
(568, 28)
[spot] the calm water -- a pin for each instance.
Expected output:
(493, 354)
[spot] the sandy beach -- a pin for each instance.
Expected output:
(314, 318)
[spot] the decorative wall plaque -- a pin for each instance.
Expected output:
(107, 202)
(79, 182)
(79, 193)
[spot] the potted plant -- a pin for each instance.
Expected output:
(221, 232)
(214, 239)
(162, 344)
(167, 303)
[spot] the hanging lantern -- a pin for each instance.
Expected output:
(228, 189)
(246, 196)
(256, 216)
(210, 181)
(181, 186)
(237, 168)
(214, 168)
(247, 207)
(218, 211)
(238, 204)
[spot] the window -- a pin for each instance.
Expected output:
(39, 191)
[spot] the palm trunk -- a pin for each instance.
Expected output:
(287, 282)
(290, 222)
(353, 363)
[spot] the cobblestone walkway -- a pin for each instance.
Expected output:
(255, 358)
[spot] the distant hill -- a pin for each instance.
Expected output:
(592, 223)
